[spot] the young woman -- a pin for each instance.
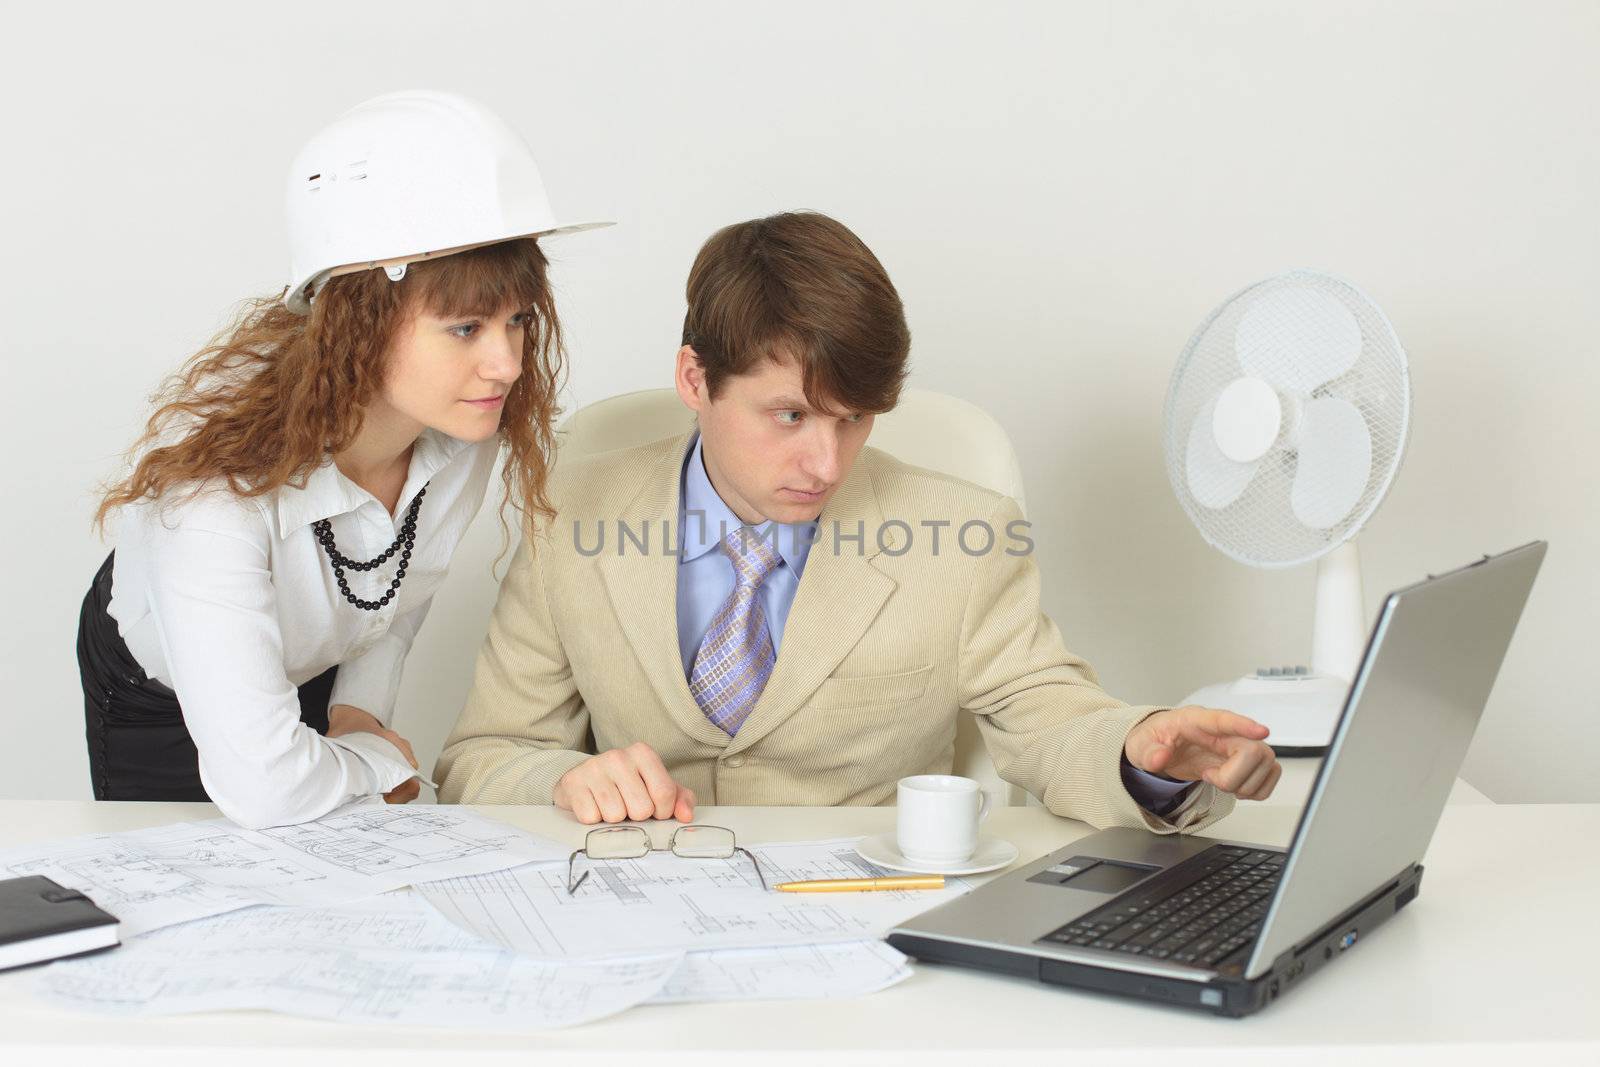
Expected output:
(304, 481)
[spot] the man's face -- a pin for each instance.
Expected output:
(769, 454)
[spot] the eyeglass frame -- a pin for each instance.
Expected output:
(572, 887)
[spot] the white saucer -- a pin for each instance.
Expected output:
(991, 855)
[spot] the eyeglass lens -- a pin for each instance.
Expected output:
(702, 842)
(616, 843)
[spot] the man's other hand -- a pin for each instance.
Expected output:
(623, 783)
(1195, 744)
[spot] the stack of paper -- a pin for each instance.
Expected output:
(171, 874)
(389, 959)
(392, 959)
(664, 903)
(494, 941)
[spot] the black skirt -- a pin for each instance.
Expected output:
(139, 747)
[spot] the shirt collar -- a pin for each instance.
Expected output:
(328, 492)
(704, 520)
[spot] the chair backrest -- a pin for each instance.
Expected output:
(926, 429)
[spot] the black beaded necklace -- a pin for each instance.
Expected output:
(402, 544)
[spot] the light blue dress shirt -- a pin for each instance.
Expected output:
(705, 575)
(706, 580)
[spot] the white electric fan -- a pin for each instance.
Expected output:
(1286, 422)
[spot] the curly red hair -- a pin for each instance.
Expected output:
(272, 396)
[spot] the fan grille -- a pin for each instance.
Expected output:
(1259, 527)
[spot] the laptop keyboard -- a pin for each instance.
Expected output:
(1200, 913)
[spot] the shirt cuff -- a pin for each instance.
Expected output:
(1158, 795)
(388, 765)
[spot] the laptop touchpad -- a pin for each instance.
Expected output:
(1096, 876)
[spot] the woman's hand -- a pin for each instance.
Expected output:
(348, 719)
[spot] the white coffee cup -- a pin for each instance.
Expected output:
(939, 817)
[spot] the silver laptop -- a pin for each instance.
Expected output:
(1229, 926)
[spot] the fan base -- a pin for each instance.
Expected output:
(1299, 710)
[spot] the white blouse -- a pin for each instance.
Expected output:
(232, 603)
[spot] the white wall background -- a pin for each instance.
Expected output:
(1061, 192)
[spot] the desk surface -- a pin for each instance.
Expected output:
(1499, 947)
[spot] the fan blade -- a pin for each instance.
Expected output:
(1335, 463)
(1215, 480)
(1296, 337)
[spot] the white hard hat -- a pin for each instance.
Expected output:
(408, 176)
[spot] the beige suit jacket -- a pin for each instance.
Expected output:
(886, 643)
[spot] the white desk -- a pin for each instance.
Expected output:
(1500, 948)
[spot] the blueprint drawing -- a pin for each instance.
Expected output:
(848, 969)
(169, 874)
(662, 902)
(388, 960)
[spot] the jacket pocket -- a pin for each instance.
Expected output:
(867, 690)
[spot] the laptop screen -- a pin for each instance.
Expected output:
(1399, 744)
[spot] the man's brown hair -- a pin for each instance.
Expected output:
(799, 285)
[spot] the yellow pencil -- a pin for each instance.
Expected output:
(852, 885)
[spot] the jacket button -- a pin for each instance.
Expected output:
(733, 761)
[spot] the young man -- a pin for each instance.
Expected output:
(763, 612)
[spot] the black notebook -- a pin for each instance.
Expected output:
(41, 920)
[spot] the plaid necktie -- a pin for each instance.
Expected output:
(735, 657)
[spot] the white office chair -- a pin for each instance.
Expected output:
(927, 429)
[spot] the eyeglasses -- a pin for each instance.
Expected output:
(694, 842)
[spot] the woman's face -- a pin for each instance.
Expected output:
(452, 375)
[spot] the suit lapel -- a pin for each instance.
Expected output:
(643, 587)
(840, 594)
